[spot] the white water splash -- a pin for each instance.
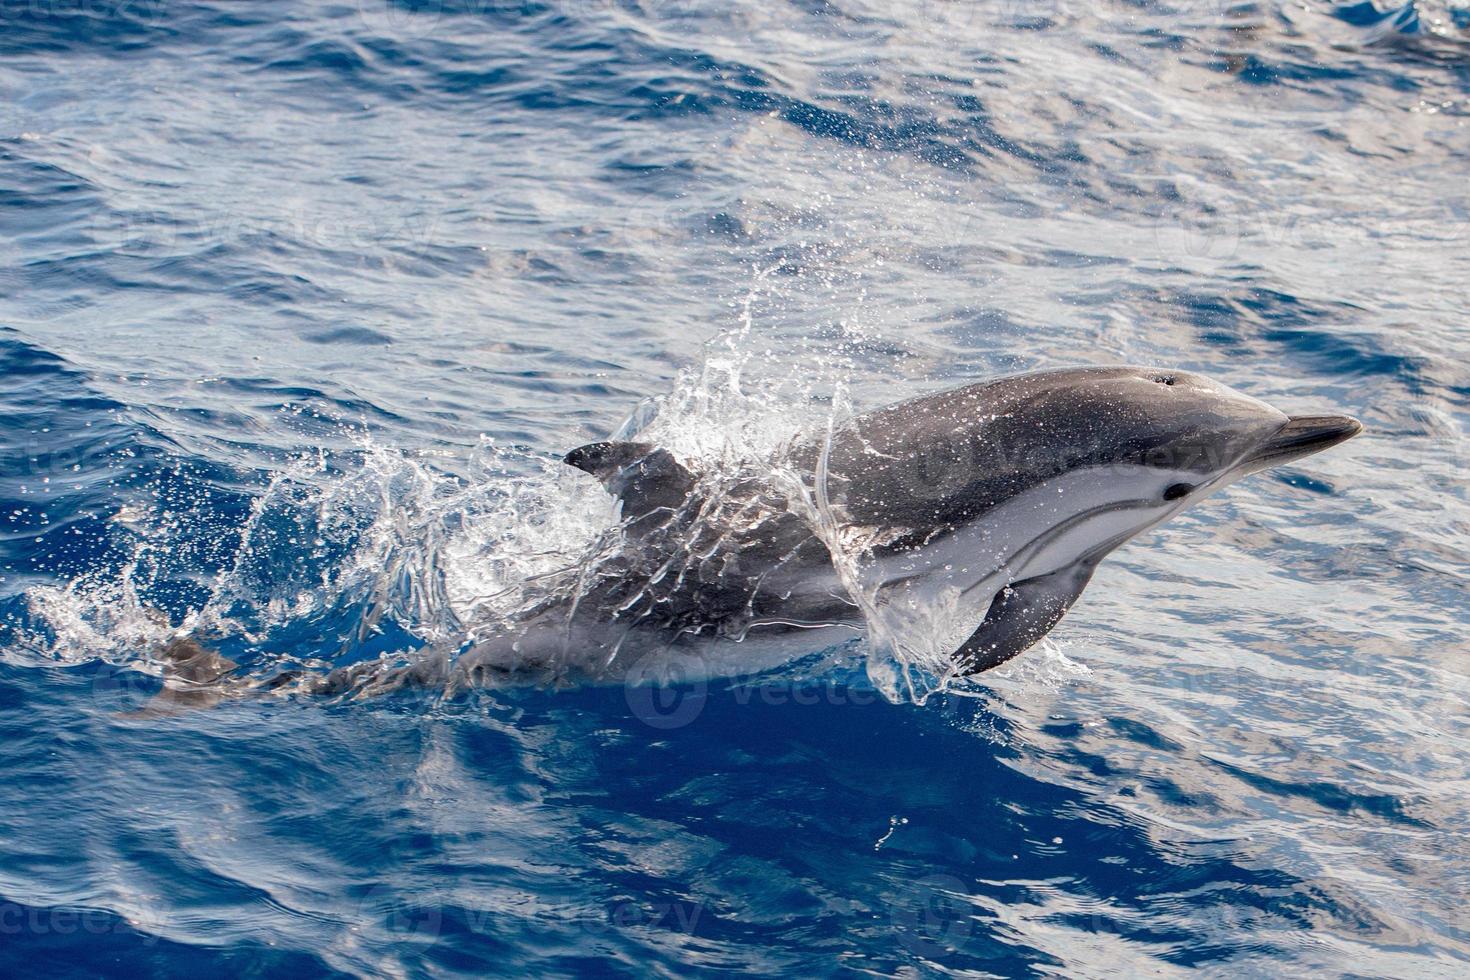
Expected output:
(340, 552)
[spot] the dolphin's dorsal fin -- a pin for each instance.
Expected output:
(604, 459)
(643, 476)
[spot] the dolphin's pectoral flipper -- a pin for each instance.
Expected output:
(644, 477)
(1021, 615)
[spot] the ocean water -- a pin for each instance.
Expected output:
(300, 304)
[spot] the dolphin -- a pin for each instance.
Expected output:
(1001, 497)
(996, 501)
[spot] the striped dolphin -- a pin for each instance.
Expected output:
(998, 499)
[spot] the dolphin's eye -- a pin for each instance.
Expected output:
(1176, 490)
(1165, 379)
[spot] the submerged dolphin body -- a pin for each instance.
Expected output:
(998, 499)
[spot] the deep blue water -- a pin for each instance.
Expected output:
(300, 304)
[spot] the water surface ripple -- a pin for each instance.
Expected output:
(299, 305)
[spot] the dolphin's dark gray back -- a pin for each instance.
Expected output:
(932, 462)
(941, 460)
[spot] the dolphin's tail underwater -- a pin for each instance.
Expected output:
(196, 676)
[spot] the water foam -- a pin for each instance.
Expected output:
(381, 553)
